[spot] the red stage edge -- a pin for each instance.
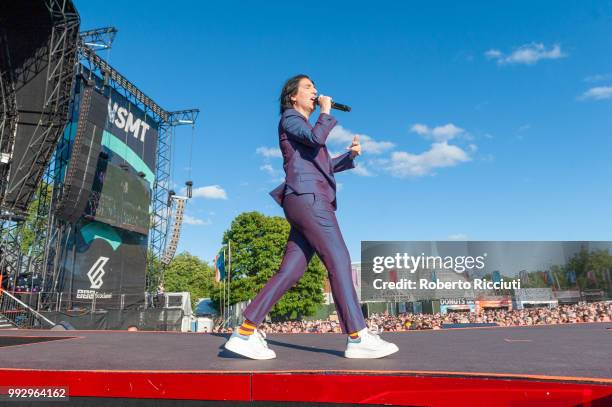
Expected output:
(322, 387)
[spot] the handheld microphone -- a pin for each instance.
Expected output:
(337, 106)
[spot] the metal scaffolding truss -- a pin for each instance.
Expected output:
(98, 39)
(168, 121)
(45, 252)
(60, 75)
(120, 83)
(10, 252)
(161, 215)
(8, 119)
(60, 72)
(61, 54)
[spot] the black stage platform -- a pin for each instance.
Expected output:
(541, 365)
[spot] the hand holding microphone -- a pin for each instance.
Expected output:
(323, 101)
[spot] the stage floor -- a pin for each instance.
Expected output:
(571, 354)
(573, 351)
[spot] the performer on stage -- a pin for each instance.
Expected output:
(308, 198)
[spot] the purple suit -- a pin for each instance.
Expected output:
(306, 161)
(308, 198)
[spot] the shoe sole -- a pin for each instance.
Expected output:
(229, 345)
(370, 355)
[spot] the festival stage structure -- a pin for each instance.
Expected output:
(85, 173)
(540, 366)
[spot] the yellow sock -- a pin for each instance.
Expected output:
(247, 328)
(354, 335)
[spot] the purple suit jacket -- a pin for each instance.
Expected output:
(306, 161)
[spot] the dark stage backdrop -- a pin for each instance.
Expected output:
(105, 263)
(104, 254)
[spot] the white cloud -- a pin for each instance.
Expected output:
(190, 220)
(210, 192)
(598, 93)
(439, 133)
(493, 53)
(341, 136)
(267, 168)
(527, 54)
(269, 152)
(375, 147)
(277, 175)
(598, 77)
(420, 129)
(397, 163)
(404, 164)
(361, 170)
(446, 132)
(458, 236)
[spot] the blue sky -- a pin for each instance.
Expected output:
(479, 120)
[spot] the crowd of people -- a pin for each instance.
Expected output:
(563, 314)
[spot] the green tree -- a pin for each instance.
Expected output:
(188, 273)
(257, 244)
(599, 262)
(34, 225)
(536, 280)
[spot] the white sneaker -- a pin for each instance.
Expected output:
(368, 346)
(252, 346)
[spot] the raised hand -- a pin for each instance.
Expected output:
(355, 147)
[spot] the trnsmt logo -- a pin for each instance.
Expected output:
(123, 119)
(96, 272)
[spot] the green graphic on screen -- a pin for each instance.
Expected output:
(97, 230)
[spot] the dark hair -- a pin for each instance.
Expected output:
(290, 89)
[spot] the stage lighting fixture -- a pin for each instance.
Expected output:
(189, 185)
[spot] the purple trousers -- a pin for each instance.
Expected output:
(314, 228)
